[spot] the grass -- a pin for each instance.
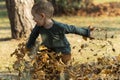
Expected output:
(111, 23)
(2, 3)
(3, 13)
(85, 21)
(104, 1)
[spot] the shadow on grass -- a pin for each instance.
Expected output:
(3, 14)
(4, 28)
(5, 39)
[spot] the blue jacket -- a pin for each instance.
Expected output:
(55, 36)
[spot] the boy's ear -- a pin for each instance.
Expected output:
(42, 15)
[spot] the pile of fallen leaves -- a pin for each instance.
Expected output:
(106, 68)
(104, 9)
(44, 64)
(40, 63)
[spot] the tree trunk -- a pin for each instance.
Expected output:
(19, 12)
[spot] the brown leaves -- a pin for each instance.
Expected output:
(104, 68)
(42, 48)
(43, 64)
(20, 51)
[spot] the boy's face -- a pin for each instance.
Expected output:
(39, 19)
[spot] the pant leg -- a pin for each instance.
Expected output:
(66, 59)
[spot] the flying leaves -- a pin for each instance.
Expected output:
(44, 64)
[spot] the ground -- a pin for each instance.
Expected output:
(92, 48)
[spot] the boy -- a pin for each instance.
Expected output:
(52, 32)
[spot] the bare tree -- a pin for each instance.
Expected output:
(19, 12)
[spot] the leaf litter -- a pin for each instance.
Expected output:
(41, 63)
(44, 64)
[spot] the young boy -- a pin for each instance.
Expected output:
(51, 31)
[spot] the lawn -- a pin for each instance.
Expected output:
(7, 46)
(104, 1)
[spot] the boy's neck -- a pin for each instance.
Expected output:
(48, 24)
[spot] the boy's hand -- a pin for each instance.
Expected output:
(91, 28)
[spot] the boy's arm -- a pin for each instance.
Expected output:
(34, 34)
(76, 30)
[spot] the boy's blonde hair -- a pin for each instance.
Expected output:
(43, 6)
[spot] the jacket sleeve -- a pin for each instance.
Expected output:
(76, 30)
(34, 34)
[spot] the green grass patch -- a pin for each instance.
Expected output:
(2, 3)
(3, 10)
(3, 13)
